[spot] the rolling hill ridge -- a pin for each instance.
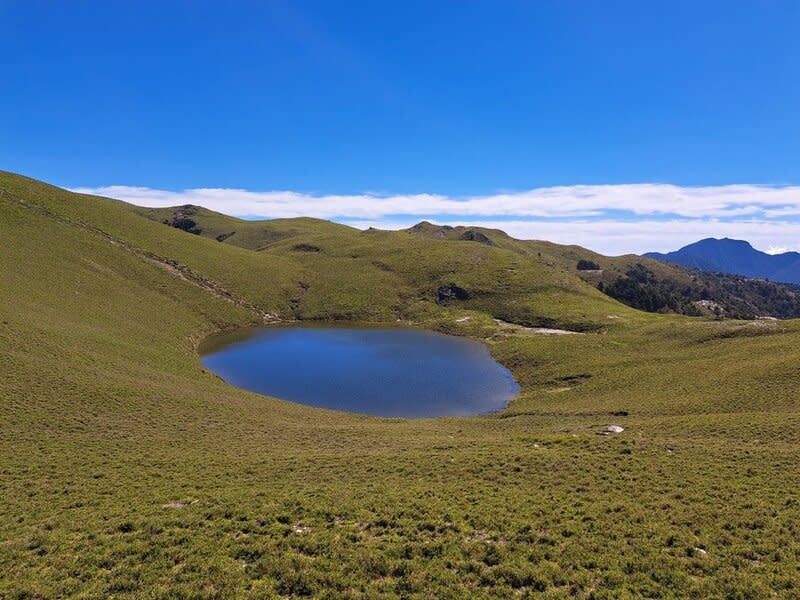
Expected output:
(638, 282)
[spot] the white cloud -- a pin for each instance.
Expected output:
(609, 218)
(636, 237)
(777, 249)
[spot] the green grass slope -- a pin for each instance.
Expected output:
(128, 471)
(352, 274)
(644, 283)
(639, 282)
(253, 235)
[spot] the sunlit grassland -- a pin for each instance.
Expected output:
(128, 470)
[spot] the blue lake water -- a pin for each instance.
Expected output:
(390, 372)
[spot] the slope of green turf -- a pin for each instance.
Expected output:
(638, 282)
(127, 470)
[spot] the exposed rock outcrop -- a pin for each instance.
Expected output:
(180, 219)
(447, 293)
(471, 235)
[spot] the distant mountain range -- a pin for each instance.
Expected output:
(737, 257)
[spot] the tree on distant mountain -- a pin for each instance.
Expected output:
(641, 289)
(717, 294)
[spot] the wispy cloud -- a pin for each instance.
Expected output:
(609, 218)
(622, 237)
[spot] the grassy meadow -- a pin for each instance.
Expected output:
(127, 470)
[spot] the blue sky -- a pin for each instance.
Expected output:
(354, 109)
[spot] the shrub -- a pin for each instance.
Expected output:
(587, 265)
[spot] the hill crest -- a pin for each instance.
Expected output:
(737, 257)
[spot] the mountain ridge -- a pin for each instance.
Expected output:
(737, 257)
(636, 281)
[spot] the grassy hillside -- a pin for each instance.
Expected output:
(644, 283)
(352, 274)
(130, 471)
(638, 282)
